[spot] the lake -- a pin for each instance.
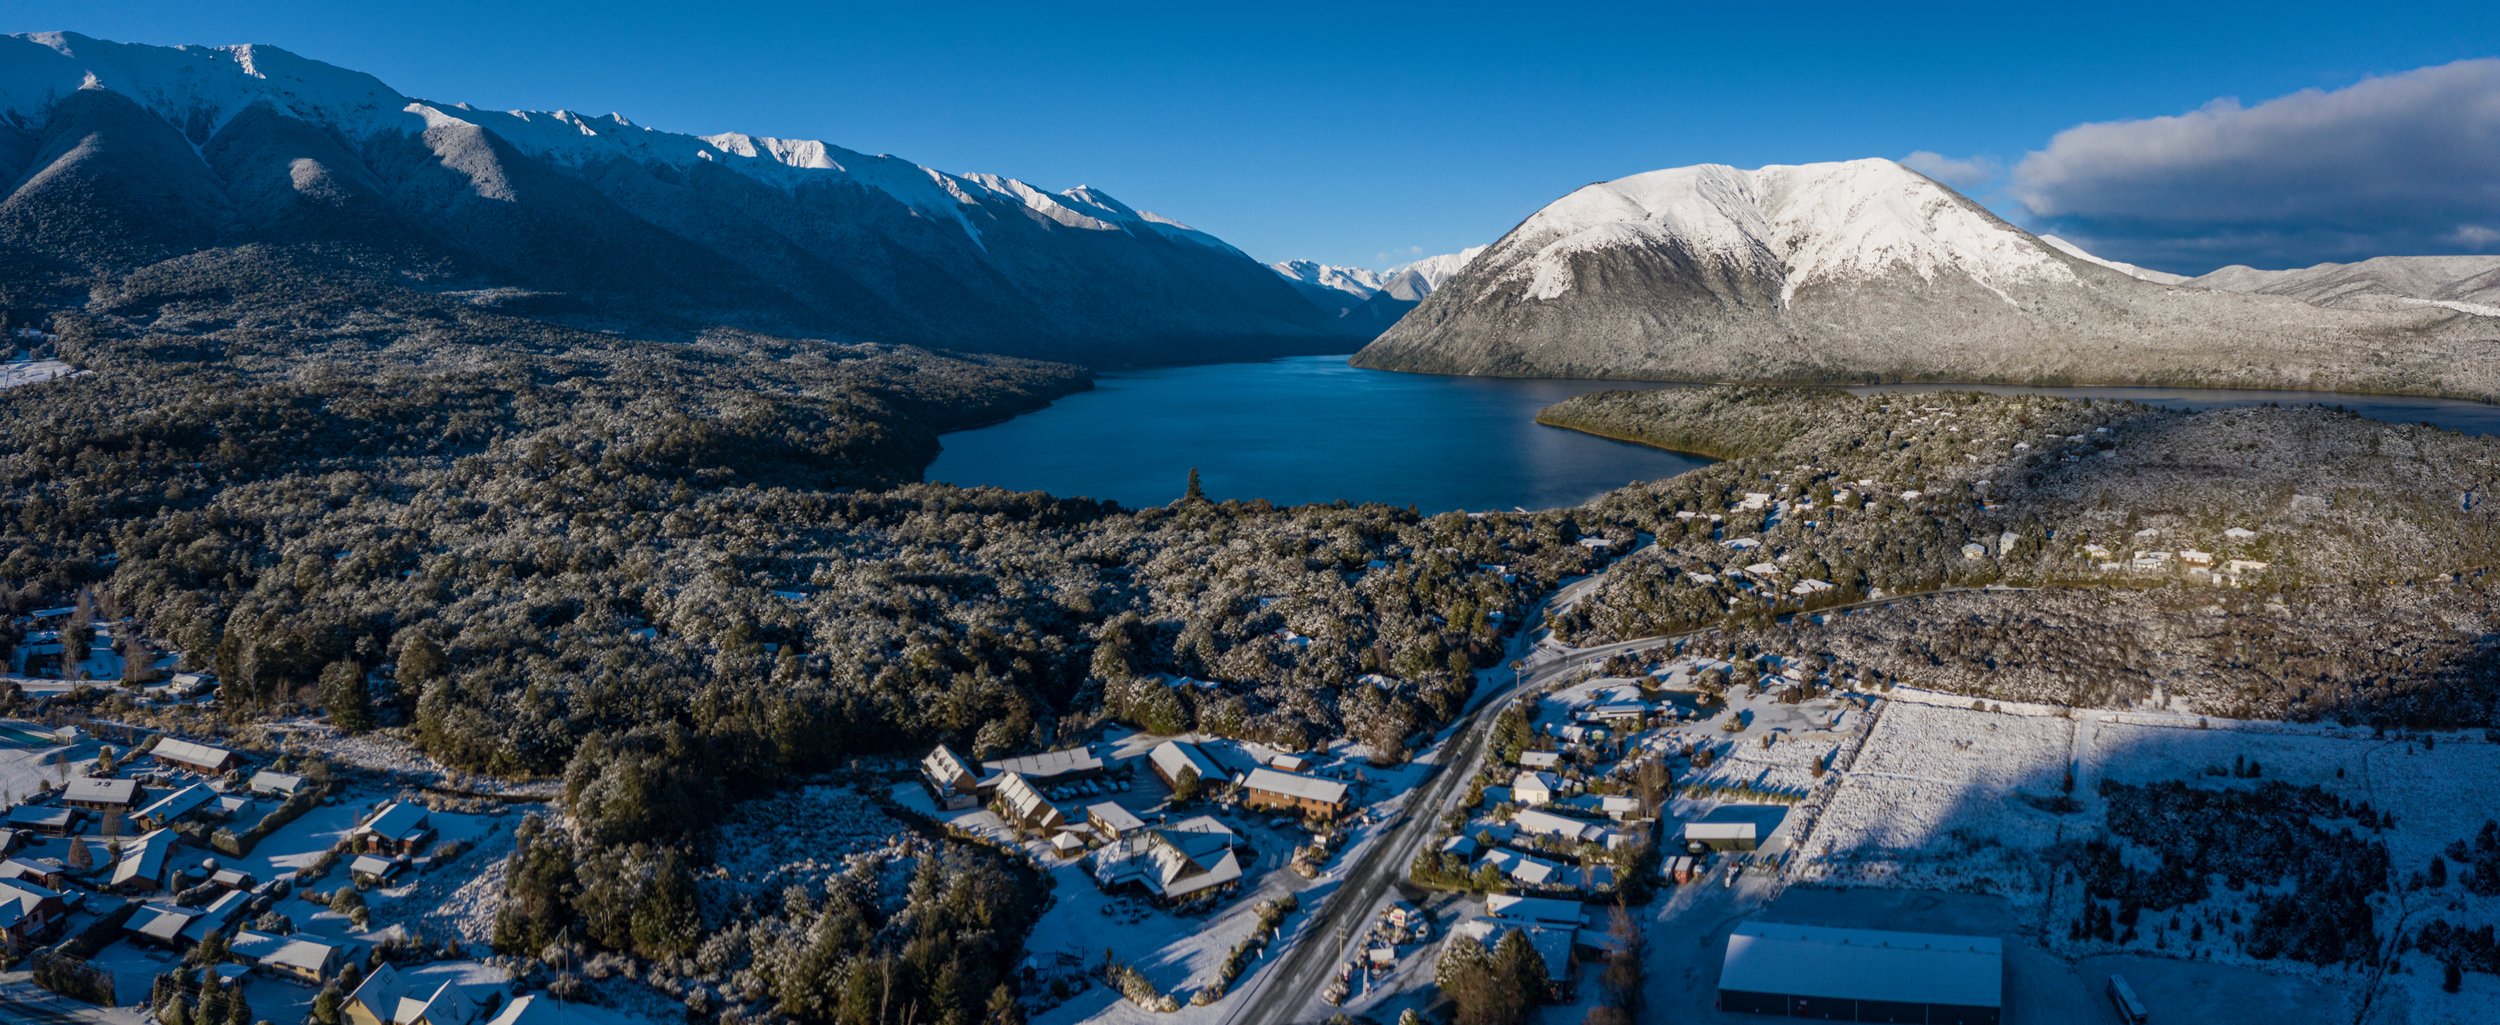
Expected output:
(1312, 429)
(1306, 429)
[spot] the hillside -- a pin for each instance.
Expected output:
(115, 157)
(1866, 271)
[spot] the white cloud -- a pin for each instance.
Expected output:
(2404, 164)
(1965, 173)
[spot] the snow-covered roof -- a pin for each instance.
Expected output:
(1027, 803)
(271, 782)
(399, 822)
(1719, 830)
(191, 755)
(943, 765)
(1171, 756)
(1543, 910)
(1049, 764)
(373, 866)
(1113, 817)
(1541, 782)
(1537, 822)
(143, 859)
(1308, 788)
(303, 953)
(179, 803)
(1540, 759)
(1864, 964)
(96, 790)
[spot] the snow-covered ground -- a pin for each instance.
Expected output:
(19, 373)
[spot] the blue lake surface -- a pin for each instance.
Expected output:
(1312, 429)
(1306, 429)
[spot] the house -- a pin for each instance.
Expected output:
(1405, 915)
(2193, 557)
(1067, 844)
(179, 928)
(400, 828)
(950, 779)
(45, 872)
(269, 783)
(1050, 766)
(375, 870)
(1460, 846)
(1540, 759)
(1170, 758)
(1111, 820)
(392, 997)
(1810, 587)
(1534, 788)
(1018, 802)
(1189, 860)
(1309, 795)
(174, 807)
(101, 795)
(185, 685)
(1680, 869)
(1974, 551)
(308, 959)
(1289, 763)
(1619, 807)
(232, 878)
(143, 861)
(1527, 869)
(1552, 943)
(1863, 974)
(191, 757)
(1632, 712)
(1538, 822)
(47, 819)
(29, 915)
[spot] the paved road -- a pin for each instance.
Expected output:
(1280, 993)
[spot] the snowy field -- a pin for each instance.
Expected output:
(20, 373)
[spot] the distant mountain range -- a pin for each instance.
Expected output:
(1368, 301)
(1868, 271)
(114, 157)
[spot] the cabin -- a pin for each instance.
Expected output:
(192, 757)
(391, 997)
(95, 794)
(375, 870)
(174, 807)
(30, 915)
(1540, 759)
(269, 783)
(44, 819)
(1173, 757)
(143, 863)
(400, 828)
(312, 960)
(1313, 797)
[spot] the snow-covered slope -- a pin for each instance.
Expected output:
(1358, 282)
(2157, 277)
(2466, 284)
(1867, 270)
(1412, 282)
(796, 231)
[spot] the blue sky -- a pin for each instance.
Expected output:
(1361, 134)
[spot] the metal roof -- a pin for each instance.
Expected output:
(1049, 764)
(1309, 788)
(1864, 964)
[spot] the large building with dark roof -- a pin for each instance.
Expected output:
(1863, 975)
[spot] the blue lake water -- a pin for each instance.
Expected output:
(1312, 429)
(1306, 429)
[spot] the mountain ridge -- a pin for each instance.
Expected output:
(1866, 271)
(114, 155)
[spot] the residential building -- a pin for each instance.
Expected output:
(1722, 835)
(143, 862)
(1170, 758)
(30, 915)
(280, 785)
(1540, 759)
(1111, 820)
(307, 959)
(101, 795)
(174, 807)
(1050, 766)
(1539, 822)
(46, 819)
(393, 997)
(1267, 789)
(1535, 788)
(399, 828)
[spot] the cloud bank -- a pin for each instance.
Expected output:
(1962, 173)
(2401, 165)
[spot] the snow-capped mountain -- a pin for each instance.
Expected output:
(1333, 288)
(1867, 270)
(2141, 273)
(1412, 282)
(115, 155)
